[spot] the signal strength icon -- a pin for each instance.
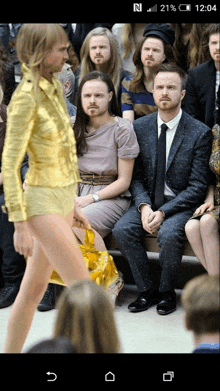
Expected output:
(153, 9)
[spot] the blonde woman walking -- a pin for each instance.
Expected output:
(38, 123)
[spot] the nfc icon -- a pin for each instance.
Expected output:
(137, 7)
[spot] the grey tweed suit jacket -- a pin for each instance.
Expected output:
(187, 174)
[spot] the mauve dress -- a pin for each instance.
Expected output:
(105, 146)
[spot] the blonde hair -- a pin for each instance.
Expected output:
(85, 317)
(35, 41)
(201, 302)
(114, 63)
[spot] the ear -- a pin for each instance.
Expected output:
(164, 58)
(183, 93)
(110, 95)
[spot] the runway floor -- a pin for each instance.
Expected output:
(144, 332)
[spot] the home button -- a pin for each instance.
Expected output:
(109, 376)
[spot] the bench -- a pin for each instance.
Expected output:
(190, 266)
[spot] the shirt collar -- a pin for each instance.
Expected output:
(172, 123)
(44, 84)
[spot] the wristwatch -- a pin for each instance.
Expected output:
(95, 197)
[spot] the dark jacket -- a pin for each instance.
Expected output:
(200, 93)
(188, 172)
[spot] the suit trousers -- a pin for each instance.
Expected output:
(129, 234)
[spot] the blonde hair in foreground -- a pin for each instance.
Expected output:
(86, 318)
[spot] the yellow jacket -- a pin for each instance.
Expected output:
(38, 122)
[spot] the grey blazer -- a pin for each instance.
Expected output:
(187, 174)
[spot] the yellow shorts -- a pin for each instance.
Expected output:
(49, 200)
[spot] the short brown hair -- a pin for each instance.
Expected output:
(168, 67)
(200, 300)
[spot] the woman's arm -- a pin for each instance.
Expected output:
(122, 183)
(125, 169)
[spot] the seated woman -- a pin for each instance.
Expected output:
(137, 89)
(203, 228)
(106, 147)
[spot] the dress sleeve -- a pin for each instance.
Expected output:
(126, 140)
(20, 124)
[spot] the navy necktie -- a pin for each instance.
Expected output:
(160, 168)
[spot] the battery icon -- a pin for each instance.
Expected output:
(184, 7)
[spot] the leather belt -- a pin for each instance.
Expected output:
(89, 179)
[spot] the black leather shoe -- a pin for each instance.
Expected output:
(144, 301)
(167, 303)
(48, 301)
(8, 295)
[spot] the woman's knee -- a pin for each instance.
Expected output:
(208, 223)
(191, 228)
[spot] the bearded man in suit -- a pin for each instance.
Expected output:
(204, 80)
(164, 201)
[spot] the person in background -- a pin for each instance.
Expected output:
(100, 52)
(106, 148)
(181, 44)
(12, 263)
(85, 317)
(67, 80)
(156, 47)
(204, 80)
(81, 30)
(201, 304)
(7, 76)
(203, 228)
(128, 35)
(170, 179)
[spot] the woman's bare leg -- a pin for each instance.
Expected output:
(60, 246)
(193, 234)
(54, 247)
(211, 246)
(98, 241)
(32, 289)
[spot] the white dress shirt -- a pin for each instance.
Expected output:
(170, 133)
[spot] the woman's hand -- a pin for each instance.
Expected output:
(83, 201)
(79, 218)
(23, 241)
(206, 207)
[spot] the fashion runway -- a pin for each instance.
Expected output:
(143, 332)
